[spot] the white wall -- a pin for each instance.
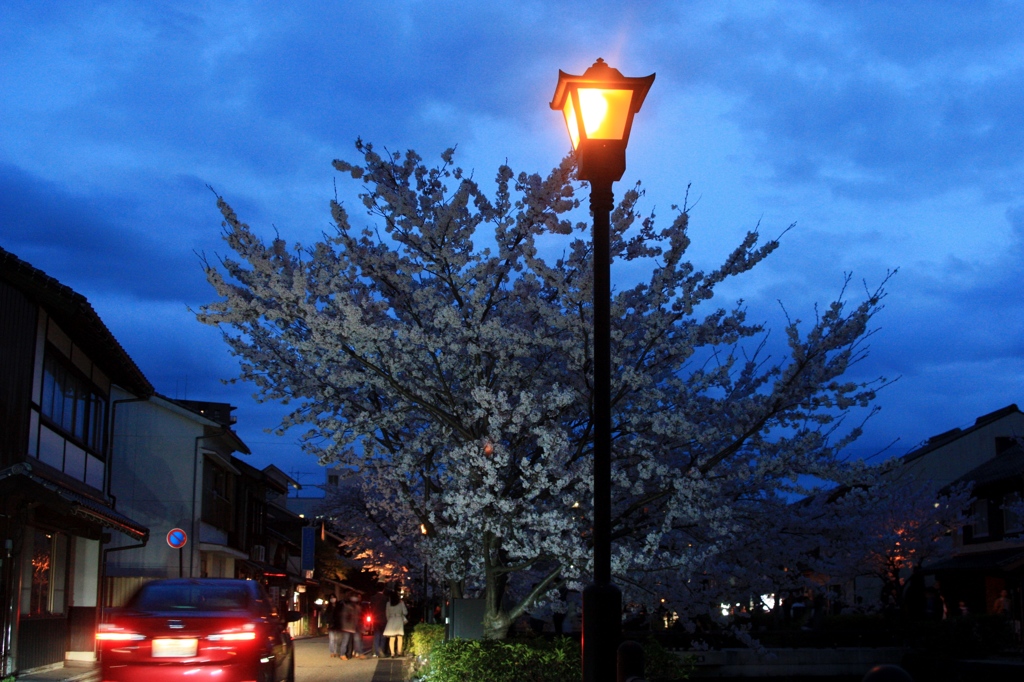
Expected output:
(156, 482)
(86, 577)
(949, 462)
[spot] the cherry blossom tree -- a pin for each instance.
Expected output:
(909, 526)
(369, 538)
(443, 353)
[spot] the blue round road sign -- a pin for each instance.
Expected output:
(176, 538)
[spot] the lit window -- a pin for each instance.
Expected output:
(44, 573)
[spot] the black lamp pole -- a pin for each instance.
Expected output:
(598, 108)
(602, 600)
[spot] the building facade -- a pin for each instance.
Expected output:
(174, 473)
(61, 372)
(988, 553)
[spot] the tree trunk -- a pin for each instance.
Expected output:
(496, 619)
(496, 625)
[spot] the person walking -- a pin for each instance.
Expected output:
(350, 628)
(395, 628)
(1002, 605)
(379, 610)
(332, 616)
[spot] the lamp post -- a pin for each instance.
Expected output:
(428, 615)
(598, 108)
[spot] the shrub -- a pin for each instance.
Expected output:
(532, 660)
(662, 664)
(538, 660)
(424, 638)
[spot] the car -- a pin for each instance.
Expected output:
(211, 629)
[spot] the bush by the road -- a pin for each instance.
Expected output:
(425, 637)
(465, 660)
(531, 660)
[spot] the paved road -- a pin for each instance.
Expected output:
(313, 663)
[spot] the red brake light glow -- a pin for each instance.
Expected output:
(111, 633)
(246, 632)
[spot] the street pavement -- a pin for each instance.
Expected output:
(313, 663)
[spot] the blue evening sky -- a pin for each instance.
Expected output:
(891, 133)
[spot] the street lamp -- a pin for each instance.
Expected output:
(598, 108)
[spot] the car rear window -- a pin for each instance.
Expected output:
(191, 598)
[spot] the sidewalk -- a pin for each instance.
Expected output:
(313, 663)
(81, 672)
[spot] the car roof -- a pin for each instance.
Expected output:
(200, 581)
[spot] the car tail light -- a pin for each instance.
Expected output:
(245, 633)
(107, 632)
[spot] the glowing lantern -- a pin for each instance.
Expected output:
(598, 108)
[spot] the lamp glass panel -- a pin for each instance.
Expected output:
(569, 111)
(605, 112)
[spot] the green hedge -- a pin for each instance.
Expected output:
(662, 664)
(465, 660)
(424, 638)
(530, 660)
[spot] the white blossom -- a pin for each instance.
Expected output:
(455, 377)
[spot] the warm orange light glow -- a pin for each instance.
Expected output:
(604, 112)
(423, 528)
(569, 111)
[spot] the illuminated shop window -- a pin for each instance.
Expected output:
(44, 573)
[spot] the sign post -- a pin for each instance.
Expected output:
(177, 538)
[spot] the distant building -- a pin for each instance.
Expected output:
(105, 484)
(989, 552)
(179, 472)
(950, 455)
(174, 471)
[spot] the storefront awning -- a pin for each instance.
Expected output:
(22, 481)
(223, 550)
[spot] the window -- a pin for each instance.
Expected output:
(332, 479)
(1012, 508)
(979, 518)
(44, 573)
(69, 429)
(72, 404)
(217, 496)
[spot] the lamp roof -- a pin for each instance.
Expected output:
(600, 75)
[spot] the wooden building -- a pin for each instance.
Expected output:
(59, 369)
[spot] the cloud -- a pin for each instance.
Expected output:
(94, 243)
(889, 132)
(878, 102)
